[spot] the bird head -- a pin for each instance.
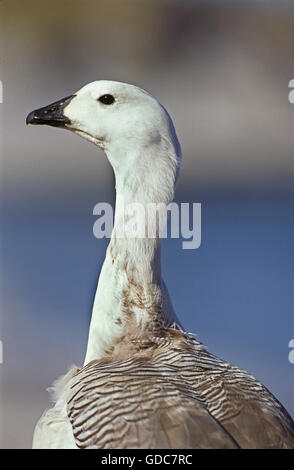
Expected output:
(129, 124)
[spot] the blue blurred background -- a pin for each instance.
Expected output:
(222, 71)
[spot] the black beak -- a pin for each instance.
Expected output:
(52, 115)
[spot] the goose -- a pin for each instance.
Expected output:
(145, 382)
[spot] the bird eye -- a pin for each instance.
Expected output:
(106, 99)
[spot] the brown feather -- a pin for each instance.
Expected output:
(170, 396)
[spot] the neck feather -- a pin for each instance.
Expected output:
(131, 299)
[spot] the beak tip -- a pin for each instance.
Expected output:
(30, 118)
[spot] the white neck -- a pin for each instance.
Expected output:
(131, 299)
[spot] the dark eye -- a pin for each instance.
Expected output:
(106, 99)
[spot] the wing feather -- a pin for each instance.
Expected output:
(141, 412)
(176, 396)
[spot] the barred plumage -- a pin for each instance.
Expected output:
(174, 399)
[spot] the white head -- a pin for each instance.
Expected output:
(131, 126)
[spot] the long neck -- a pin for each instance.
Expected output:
(131, 299)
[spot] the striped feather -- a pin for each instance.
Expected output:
(174, 397)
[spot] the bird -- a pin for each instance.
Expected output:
(146, 383)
